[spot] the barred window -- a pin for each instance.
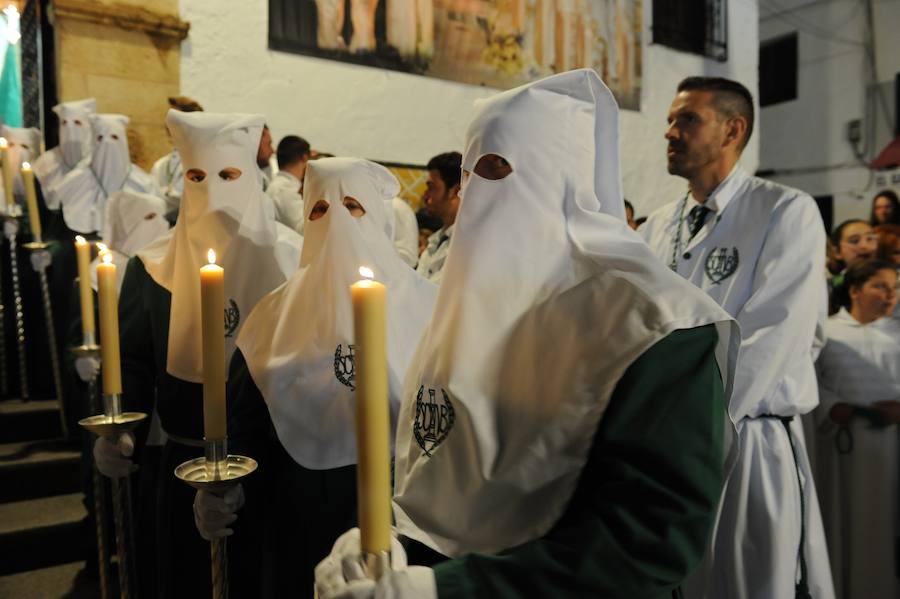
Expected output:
(695, 26)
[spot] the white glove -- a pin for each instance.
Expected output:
(213, 513)
(87, 368)
(10, 227)
(40, 260)
(341, 574)
(112, 459)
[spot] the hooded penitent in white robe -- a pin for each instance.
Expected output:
(133, 221)
(84, 191)
(298, 342)
(857, 483)
(223, 209)
(74, 146)
(547, 298)
(24, 146)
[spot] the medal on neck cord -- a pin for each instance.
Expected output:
(676, 244)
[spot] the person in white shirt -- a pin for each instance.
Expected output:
(441, 199)
(756, 248)
(857, 476)
(285, 190)
(167, 171)
(74, 146)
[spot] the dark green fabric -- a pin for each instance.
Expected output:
(640, 518)
(182, 554)
(300, 511)
(144, 308)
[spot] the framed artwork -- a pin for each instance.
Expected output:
(412, 180)
(493, 43)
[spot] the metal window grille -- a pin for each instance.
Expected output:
(695, 26)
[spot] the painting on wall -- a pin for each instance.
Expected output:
(492, 43)
(412, 180)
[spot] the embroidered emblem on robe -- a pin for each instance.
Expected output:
(232, 318)
(344, 366)
(721, 263)
(434, 419)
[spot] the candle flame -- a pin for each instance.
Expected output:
(26, 166)
(107, 258)
(80, 239)
(366, 272)
(102, 247)
(211, 256)
(3, 142)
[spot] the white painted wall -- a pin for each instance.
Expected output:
(385, 115)
(809, 133)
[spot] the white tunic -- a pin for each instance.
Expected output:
(169, 177)
(284, 190)
(860, 365)
(406, 231)
(760, 256)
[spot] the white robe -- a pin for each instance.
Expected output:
(406, 231)
(760, 257)
(284, 191)
(169, 177)
(860, 365)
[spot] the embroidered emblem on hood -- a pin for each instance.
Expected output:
(344, 366)
(232, 318)
(721, 264)
(434, 419)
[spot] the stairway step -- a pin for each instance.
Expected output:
(36, 469)
(29, 420)
(38, 533)
(67, 580)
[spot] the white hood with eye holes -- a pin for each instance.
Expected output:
(298, 342)
(84, 191)
(74, 146)
(223, 208)
(547, 298)
(24, 146)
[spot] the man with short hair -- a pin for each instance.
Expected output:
(756, 248)
(441, 200)
(285, 190)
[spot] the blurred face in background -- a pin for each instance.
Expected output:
(883, 209)
(858, 243)
(876, 297)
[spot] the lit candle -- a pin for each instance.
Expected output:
(34, 218)
(83, 252)
(7, 172)
(109, 325)
(212, 309)
(373, 470)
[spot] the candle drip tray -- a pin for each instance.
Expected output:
(108, 426)
(198, 473)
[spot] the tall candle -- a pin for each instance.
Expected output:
(7, 172)
(109, 325)
(373, 470)
(83, 253)
(212, 309)
(34, 217)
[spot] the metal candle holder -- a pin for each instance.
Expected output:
(112, 424)
(89, 349)
(37, 246)
(13, 215)
(216, 472)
